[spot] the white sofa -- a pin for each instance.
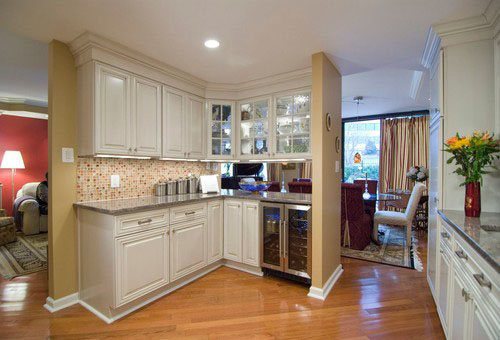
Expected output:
(33, 221)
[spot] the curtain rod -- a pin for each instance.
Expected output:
(386, 115)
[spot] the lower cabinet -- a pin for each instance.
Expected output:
(133, 277)
(444, 275)
(215, 231)
(250, 233)
(188, 248)
(458, 305)
(241, 231)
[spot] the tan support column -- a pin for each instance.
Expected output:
(63, 266)
(326, 99)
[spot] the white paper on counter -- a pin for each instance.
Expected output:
(209, 184)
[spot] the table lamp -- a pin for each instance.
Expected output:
(12, 160)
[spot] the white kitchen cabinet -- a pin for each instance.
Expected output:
(183, 125)
(444, 275)
(112, 115)
(195, 127)
(141, 264)
(233, 210)
(215, 230)
(173, 123)
(146, 117)
(250, 233)
(458, 305)
(479, 324)
(221, 133)
(118, 112)
(188, 250)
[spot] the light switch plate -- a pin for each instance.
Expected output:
(115, 181)
(337, 166)
(68, 155)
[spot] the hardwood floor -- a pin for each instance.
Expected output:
(370, 301)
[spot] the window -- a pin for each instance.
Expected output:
(361, 137)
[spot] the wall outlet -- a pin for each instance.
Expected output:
(115, 181)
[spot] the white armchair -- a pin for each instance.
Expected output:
(32, 221)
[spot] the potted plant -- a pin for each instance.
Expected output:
(472, 154)
(418, 173)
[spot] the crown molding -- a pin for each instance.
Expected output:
(480, 27)
(80, 45)
(431, 49)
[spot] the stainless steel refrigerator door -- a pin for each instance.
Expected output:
(297, 240)
(272, 236)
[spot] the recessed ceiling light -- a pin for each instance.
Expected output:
(212, 43)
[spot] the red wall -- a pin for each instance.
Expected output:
(30, 136)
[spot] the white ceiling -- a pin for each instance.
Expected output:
(380, 41)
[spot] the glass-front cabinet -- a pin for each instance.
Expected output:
(293, 124)
(254, 136)
(221, 134)
(287, 238)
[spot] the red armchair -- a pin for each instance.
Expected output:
(301, 187)
(275, 186)
(360, 222)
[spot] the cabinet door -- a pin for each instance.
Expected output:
(188, 250)
(481, 329)
(254, 118)
(141, 264)
(250, 233)
(146, 113)
(444, 274)
(215, 231)
(112, 104)
(221, 133)
(195, 128)
(173, 123)
(458, 308)
(232, 230)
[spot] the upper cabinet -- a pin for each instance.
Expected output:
(221, 132)
(254, 118)
(292, 124)
(183, 125)
(119, 113)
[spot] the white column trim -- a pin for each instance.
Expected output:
(322, 293)
(54, 305)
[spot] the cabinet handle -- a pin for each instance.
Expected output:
(285, 241)
(281, 236)
(135, 149)
(130, 149)
(482, 280)
(168, 232)
(190, 213)
(441, 251)
(444, 234)
(465, 294)
(145, 221)
(461, 254)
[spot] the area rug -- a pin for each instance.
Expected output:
(391, 251)
(27, 255)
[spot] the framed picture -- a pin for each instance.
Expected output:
(289, 166)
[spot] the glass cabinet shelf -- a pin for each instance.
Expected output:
(293, 118)
(254, 128)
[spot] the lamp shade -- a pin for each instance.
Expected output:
(12, 160)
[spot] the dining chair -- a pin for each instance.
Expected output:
(402, 219)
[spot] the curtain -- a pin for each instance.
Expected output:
(305, 170)
(274, 172)
(404, 143)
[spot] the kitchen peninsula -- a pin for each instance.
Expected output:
(133, 251)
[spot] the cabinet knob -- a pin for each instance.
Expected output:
(483, 282)
(129, 149)
(461, 254)
(444, 234)
(135, 149)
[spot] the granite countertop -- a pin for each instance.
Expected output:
(131, 205)
(486, 243)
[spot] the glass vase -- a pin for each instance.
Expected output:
(472, 199)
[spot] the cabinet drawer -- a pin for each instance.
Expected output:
(189, 212)
(476, 272)
(446, 234)
(141, 221)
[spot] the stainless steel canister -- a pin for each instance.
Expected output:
(160, 189)
(182, 186)
(193, 185)
(171, 188)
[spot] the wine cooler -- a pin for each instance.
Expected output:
(287, 238)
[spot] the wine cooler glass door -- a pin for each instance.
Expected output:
(298, 239)
(272, 237)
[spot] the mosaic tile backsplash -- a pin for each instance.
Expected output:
(137, 176)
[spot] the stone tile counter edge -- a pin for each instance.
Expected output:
(137, 204)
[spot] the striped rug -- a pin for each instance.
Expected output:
(27, 255)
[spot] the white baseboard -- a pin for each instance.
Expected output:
(322, 293)
(54, 305)
(244, 268)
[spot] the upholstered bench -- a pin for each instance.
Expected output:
(7, 228)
